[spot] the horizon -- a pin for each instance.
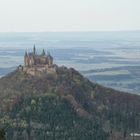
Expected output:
(70, 31)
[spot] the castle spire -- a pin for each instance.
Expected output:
(43, 52)
(34, 49)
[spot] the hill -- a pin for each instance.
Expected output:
(65, 106)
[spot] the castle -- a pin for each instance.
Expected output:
(33, 59)
(38, 64)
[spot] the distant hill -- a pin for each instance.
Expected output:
(65, 106)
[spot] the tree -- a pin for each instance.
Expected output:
(2, 135)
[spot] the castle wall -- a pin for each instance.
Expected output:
(39, 70)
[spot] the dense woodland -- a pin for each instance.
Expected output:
(65, 106)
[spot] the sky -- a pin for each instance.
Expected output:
(69, 15)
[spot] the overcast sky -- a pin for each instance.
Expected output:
(69, 15)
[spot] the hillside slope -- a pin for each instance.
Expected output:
(65, 106)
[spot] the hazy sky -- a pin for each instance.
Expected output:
(69, 15)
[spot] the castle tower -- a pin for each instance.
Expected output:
(43, 52)
(25, 58)
(33, 59)
(34, 50)
(50, 59)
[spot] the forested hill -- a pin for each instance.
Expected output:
(65, 106)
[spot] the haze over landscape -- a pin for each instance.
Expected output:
(69, 70)
(109, 58)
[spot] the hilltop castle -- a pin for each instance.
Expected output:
(33, 59)
(38, 64)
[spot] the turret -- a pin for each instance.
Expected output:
(50, 59)
(25, 58)
(34, 50)
(43, 52)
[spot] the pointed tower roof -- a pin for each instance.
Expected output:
(34, 49)
(49, 55)
(34, 46)
(43, 52)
